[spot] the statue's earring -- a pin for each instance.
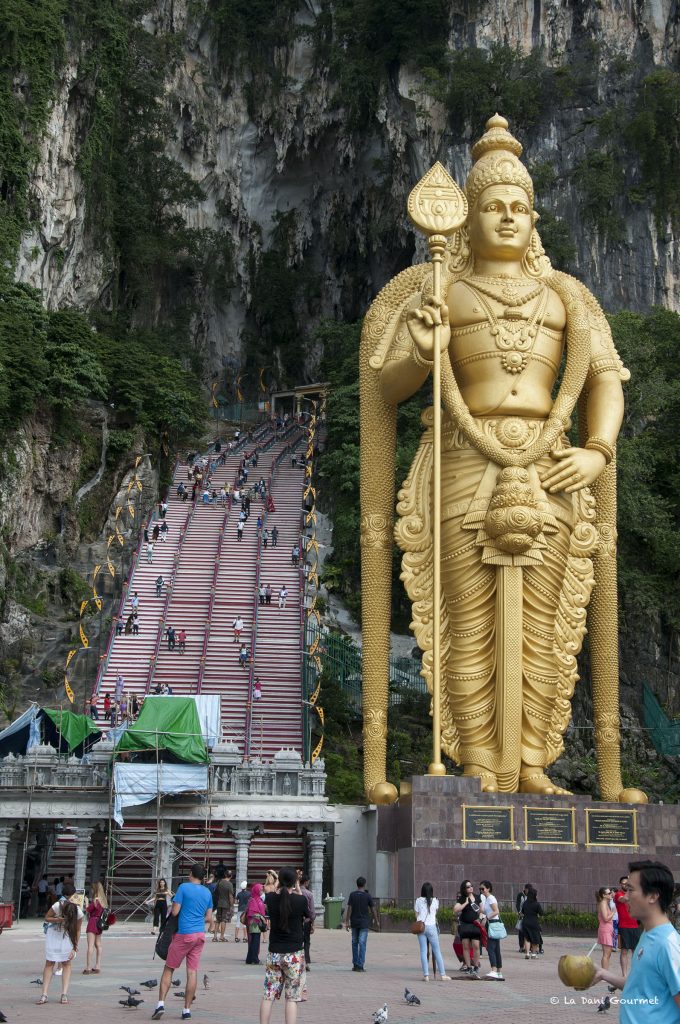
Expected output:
(459, 252)
(535, 263)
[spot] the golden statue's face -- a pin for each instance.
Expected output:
(500, 223)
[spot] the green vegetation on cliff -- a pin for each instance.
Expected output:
(55, 360)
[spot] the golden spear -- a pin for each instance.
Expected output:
(438, 208)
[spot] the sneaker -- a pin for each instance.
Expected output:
(463, 967)
(158, 1012)
(534, 956)
(527, 956)
(492, 975)
(186, 1014)
(474, 974)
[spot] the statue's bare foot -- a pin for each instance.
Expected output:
(536, 781)
(488, 779)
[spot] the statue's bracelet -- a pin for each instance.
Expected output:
(419, 360)
(598, 444)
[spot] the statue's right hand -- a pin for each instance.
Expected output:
(421, 323)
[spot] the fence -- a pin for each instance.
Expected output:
(663, 731)
(341, 663)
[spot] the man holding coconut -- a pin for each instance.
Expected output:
(651, 989)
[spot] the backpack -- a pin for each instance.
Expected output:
(105, 919)
(166, 936)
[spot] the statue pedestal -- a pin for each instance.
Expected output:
(445, 829)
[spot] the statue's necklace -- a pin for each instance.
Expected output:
(514, 340)
(506, 290)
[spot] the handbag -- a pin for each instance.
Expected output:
(417, 928)
(166, 936)
(496, 929)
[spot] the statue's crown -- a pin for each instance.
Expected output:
(496, 157)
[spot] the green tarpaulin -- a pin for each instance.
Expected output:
(73, 729)
(167, 723)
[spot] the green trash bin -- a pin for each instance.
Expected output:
(333, 911)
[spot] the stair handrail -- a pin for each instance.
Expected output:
(211, 602)
(169, 592)
(276, 462)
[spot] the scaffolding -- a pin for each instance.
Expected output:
(122, 851)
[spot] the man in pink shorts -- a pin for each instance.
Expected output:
(193, 903)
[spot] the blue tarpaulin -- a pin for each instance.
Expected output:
(139, 783)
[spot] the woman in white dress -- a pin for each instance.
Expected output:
(64, 921)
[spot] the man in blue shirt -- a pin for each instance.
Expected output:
(192, 903)
(651, 989)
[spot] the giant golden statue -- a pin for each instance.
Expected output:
(526, 535)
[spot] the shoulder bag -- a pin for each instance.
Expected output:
(418, 927)
(165, 938)
(496, 929)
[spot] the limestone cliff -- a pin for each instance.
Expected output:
(274, 138)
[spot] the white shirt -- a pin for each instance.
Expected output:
(429, 918)
(489, 906)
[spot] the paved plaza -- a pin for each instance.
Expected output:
(531, 993)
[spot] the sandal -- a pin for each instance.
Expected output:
(64, 1000)
(87, 971)
(41, 1001)
(95, 970)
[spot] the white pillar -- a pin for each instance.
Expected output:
(98, 869)
(5, 882)
(83, 834)
(242, 837)
(165, 855)
(316, 839)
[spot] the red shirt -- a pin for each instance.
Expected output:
(625, 920)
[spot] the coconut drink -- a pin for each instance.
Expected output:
(576, 971)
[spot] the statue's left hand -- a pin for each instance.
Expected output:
(574, 469)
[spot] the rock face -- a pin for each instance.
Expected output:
(261, 152)
(36, 484)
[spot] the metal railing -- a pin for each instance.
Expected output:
(341, 663)
(664, 732)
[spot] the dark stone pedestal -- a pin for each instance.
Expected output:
(423, 839)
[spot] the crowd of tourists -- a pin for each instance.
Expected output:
(281, 907)
(205, 906)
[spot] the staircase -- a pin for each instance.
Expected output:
(236, 594)
(211, 578)
(276, 719)
(128, 655)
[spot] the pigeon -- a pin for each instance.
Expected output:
(181, 995)
(37, 981)
(130, 991)
(131, 1003)
(604, 1005)
(175, 982)
(411, 998)
(151, 983)
(380, 1016)
(3, 1019)
(206, 981)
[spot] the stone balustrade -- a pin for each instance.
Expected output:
(232, 777)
